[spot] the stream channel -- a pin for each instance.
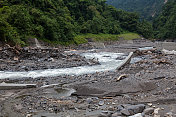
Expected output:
(108, 62)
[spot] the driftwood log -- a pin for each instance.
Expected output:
(126, 61)
(10, 86)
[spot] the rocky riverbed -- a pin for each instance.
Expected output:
(28, 59)
(146, 88)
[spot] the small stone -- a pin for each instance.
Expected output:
(125, 112)
(50, 109)
(150, 104)
(51, 59)
(29, 115)
(116, 114)
(119, 108)
(101, 103)
(136, 108)
(154, 106)
(148, 111)
(156, 111)
(169, 114)
(105, 114)
(89, 100)
(15, 59)
(111, 108)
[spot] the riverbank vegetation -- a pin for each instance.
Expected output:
(84, 38)
(62, 20)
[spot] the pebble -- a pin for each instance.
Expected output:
(111, 108)
(133, 109)
(119, 107)
(148, 111)
(116, 114)
(101, 103)
(125, 112)
(105, 114)
(156, 111)
(150, 104)
(89, 100)
(169, 114)
(29, 115)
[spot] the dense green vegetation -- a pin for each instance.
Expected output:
(165, 23)
(62, 20)
(146, 8)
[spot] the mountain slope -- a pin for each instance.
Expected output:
(146, 8)
(165, 23)
(61, 20)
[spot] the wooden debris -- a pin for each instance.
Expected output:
(163, 61)
(10, 86)
(15, 59)
(13, 48)
(126, 61)
(121, 77)
(107, 97)
(173, 52)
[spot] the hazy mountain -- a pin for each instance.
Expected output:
(146, 8)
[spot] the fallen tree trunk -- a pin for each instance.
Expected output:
(173, 52)
(9, 86)
(126, 61)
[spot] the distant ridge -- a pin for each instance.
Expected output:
(146, 8)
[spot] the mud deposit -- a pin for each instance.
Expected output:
(146, 88)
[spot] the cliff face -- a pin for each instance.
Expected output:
(146, 8)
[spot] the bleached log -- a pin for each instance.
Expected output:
(9, 86)
(126, 61)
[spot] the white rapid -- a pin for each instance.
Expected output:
(107, 60)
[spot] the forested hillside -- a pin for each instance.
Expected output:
(146, 8)
(61, 20)
(165, 23)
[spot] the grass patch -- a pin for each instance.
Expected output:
(129, 36)
(80, 39)
(83, 38)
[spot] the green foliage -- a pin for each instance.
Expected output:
(165, 24)
(79, 39)
(129, 36)
(145, 28)
(60, 20)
